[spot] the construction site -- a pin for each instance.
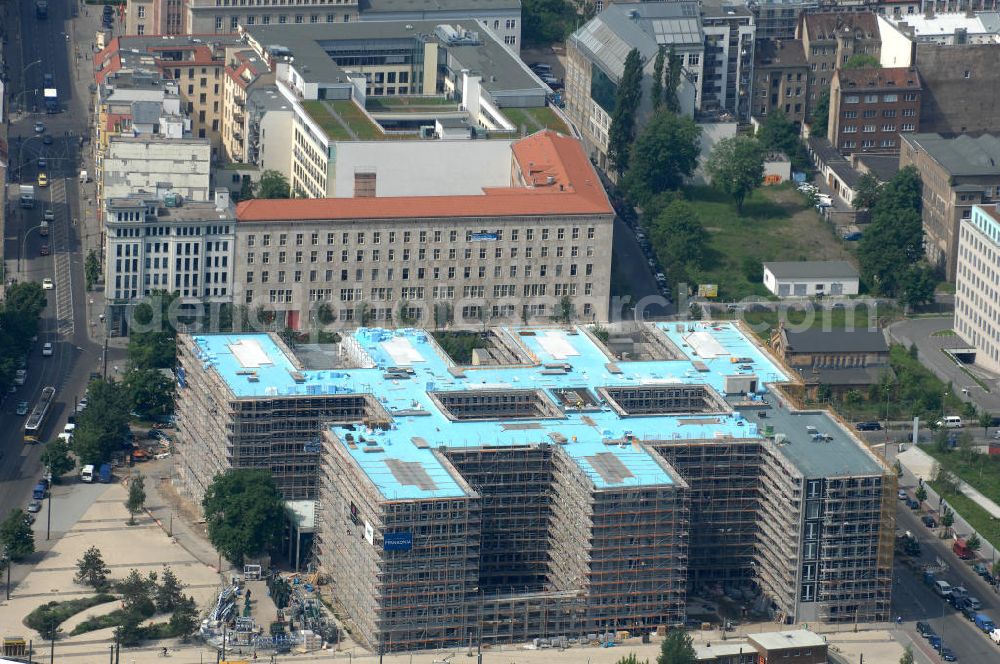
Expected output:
(558, 487)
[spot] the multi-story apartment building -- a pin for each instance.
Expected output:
(196, 65)
(727, 75)
(269, 116)
(870, 108)
(505, 240)
(337, 96)
(462, 509)
(245, 73)
(977, 309)
(147, 164)
(903, 8)
(781, 79)
(596, 61)
(501, 17)
(154, 17)
(957, 174)
(155, 242)
(829, 39)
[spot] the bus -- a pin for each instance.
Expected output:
(33, 426)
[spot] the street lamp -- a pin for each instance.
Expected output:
(24, 73)
(24, 241)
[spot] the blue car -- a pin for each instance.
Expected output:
(935, 641)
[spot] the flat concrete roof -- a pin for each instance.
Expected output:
(392, 6)
(800, 638)
(812, 269)
(839, 454)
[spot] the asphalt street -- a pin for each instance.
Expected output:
(40, 47)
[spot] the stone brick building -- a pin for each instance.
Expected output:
(781, 79)
(830, 39)
(871, 107)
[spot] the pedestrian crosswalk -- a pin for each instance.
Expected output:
(63, 274)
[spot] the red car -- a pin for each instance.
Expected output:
(45, 250)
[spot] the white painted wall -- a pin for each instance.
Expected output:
(897, 49)
(423, 168)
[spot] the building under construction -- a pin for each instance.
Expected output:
(560, 487)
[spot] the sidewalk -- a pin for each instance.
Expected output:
(987, 551)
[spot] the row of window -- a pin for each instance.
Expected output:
(871, 129)
(867, 144)
(874, 99)
(886, 113)
(361, 237)
(375, 255)
(421, 273)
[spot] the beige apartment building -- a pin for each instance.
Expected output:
(195, 64)
(977, 309)
(245, 72)
(828, 42)
(957, 174)
(510, 251)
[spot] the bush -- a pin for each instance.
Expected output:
(93, 623)
(61, 611)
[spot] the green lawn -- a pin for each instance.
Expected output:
(535, 119)
(375, 104)
(776, 224)
(365, 129)
(982, 472)
(319, 113)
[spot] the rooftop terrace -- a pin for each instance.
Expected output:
(557, 398)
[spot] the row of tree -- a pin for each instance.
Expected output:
(19, 313)
(891, 252)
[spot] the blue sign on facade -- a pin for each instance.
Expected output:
(402, 541)
(483, 237)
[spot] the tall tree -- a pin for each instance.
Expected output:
(867, 192)
(16, 536)
(622, 131)
(656, 90)
(245, 513)
(736, 166)
(273, 185)
(168, 595)
(664, 154)
(136, 496)
(102, 427)
(150, 393)
(907, 656)
(91, 269)
(677, 648)
(819, 114)
(671, 101)
(55, 457)
(92, 570)
(546, 21)
(893, 242)
(917, 285)
(152, 342)
(184, 620)
(780, 134)
(680, 240)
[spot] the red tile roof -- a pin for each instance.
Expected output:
(553, 176)
(874, 78)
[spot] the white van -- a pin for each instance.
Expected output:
(87, 474)
(950, 422)
(942, 588)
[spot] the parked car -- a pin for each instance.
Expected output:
(48, 284)
(923, 629)
(912, 504)
(980, 569)
(969, 612)
(928, 521)
(39, 127)
(22, 408)
(868, 426)
(947, 655)
(902, 495)
(935, 641)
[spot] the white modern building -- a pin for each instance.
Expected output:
(155, 243)
(501, 17)
(811, 278)
(152, 164)
(977, 310)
